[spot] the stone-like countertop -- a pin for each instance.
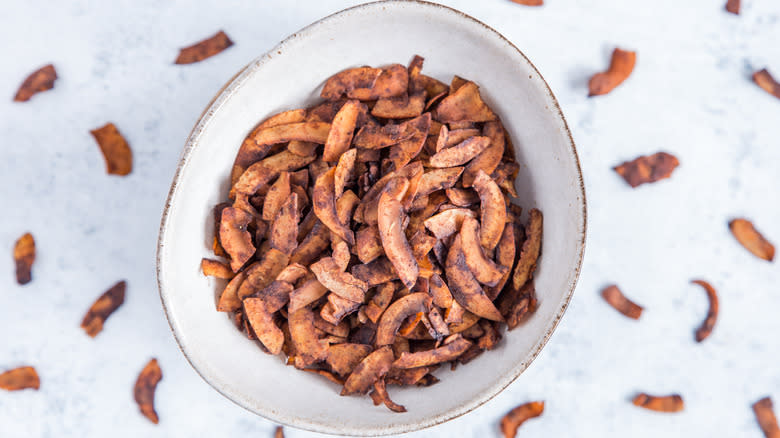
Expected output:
(690, 95)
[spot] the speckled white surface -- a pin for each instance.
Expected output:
(690, 95)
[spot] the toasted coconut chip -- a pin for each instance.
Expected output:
(308, 293)
(341, 130)
(343, 358)
(214, 268)
(472, 353)
(144, 389)
(344, 172)
(489, 159)
(309, 348)
(421, 244)
(379, 395)
(456, 83)
(369, 157)
(733, 6)
(410, 324)
(116, 151)
(340, 283)
(529, 253)
(505, 256)
(255, 149)
(372, 195)
(302, 148)
(444, 353)
(306, 225)
(766, 417)
(235, 237)
(459, 154)
(465, 288)
(217, 245)
(667, 403)
(102, 308)
(303, 201)
(204, 49)
(458, 318)
(647, 169)
(379, 302)
(447, 222)
(418, 333)
(441, 140)
(401, 107)
(377, 137)
(484, 269)
(519, 415)
(464, 104)
(345, 209)
(414, 69)
(615, 298)
(400, 345)
(338, 308)
(282, 118)
(712, 314)
(284, 229)
(516, 305)
(457, 136)
(442, 297)
(20, 378)
(275, 296)
(394, 241)
(262, 323)
(369, 205)
(402, 153)
(312, 246)
(292, 273)
(433, 87)
(341, 255)
(490, 339)
(620, 69)
(228, 300)
(324, 205)
(427, 380)
(462, 197)
(364, 334)
(377, 272)
(438, 179)
(347, 81)
(317, 168)
(768, 83)
(372, 368)
(394, 81)
(326, 374)
(474, 332)
(251, 152)
(260, 274)
(277, 194)
(398, 311)
(39, 80)
(369, 244)
(751, 239)
(402, 377)
(24, 257)
(493, 210)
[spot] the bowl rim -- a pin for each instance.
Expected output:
(232, 86)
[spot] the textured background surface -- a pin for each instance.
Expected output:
(690, 95)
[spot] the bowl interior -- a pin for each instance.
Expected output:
(289, 77)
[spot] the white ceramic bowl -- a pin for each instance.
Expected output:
(289, 76)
